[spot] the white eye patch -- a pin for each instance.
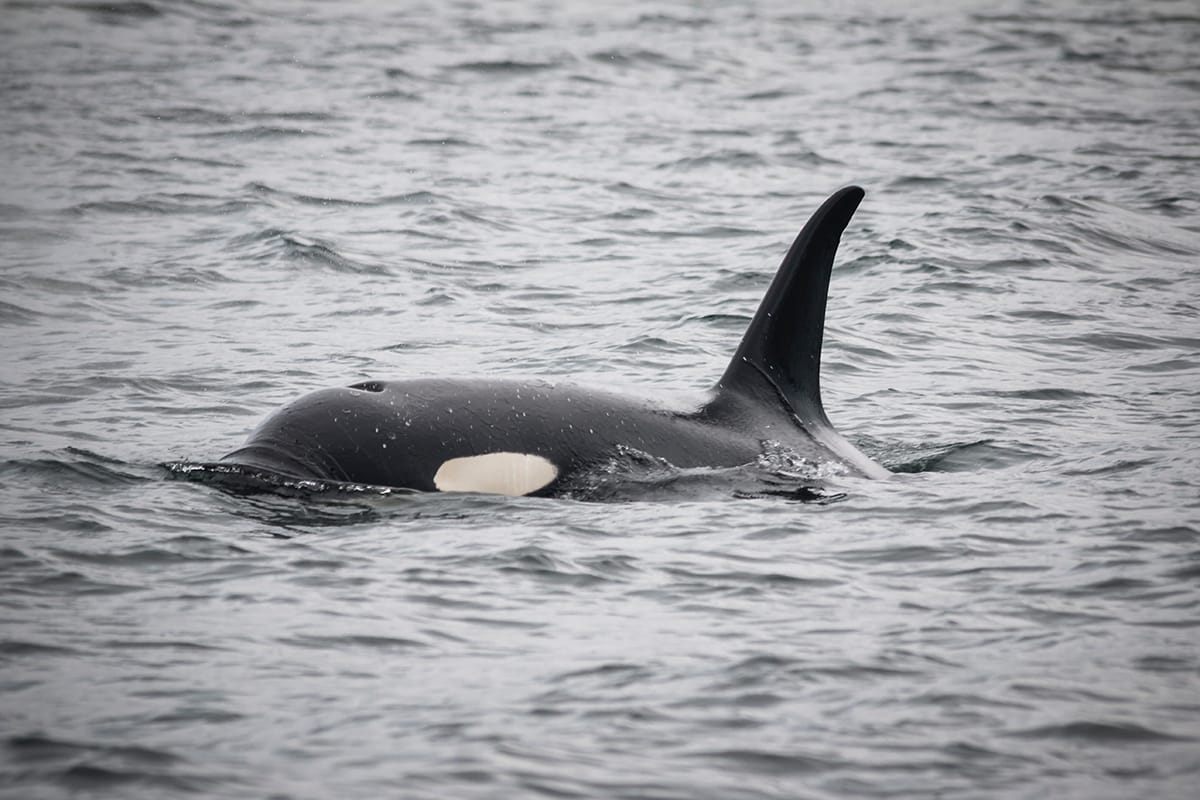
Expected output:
(495, 473)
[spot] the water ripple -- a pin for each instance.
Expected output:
(213, 207)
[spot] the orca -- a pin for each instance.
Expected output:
(538, 437)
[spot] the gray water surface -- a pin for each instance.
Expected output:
(211, 208)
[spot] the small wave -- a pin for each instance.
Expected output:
(949, 457)
(1167, 664)
(672, 22)
(724, 322)
(86, 468)
(162, 204)
(191, 115)
(906, 182)
(38, 748)
(444, 143)
(93, 778)
(769, 94)
(1168, 365)
(181, 549)
(10, 211)
(1055, 619)
(112, 155)
(606, 676)
(958, 76)
(1111, 733)
(745, 580)
(13, 314)
(67, 583)
(1175, 534)
(294, 249)
(1048, 393)
(641, 192)
(10, 648)
(1109, 466)
(413, 198)
(239, 305)
(1123, 340)
(375, 643)
(262, 190)
(116, 207)
(125, 768)
(417, 198)
(1106, 227)
(629, 57)
(767, 762)
(806, 158)
(707, 232)
(291, 116)
(260, 133)
(162, 644)
(1129, 588)
(392, 94)
(720, 158)
(504, 67)
(1190, 572)
(114, 11)
(155, 275)
(542, 564)
(1052, 315)
(648, 344)
(897, 555)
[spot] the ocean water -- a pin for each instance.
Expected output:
(211, 208)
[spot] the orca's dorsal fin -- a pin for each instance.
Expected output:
(779, 359)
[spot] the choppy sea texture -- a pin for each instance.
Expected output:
(209, 209)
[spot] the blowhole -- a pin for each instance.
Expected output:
(369, 386)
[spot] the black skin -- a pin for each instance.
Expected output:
(398, 433)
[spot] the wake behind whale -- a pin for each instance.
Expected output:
(550, 439)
